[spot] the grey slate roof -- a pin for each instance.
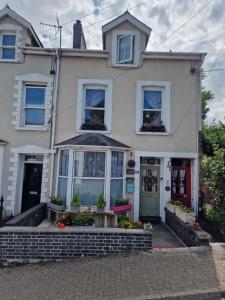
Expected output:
(93, 139)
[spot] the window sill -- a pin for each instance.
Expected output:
(9, 60)
(126, 65)
(31, 128)
(152, 133)
(94, 131)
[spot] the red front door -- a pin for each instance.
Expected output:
(181, 184)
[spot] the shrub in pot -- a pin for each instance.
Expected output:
(75, 203)
(56, 203)
(101, 203)
(83, 220)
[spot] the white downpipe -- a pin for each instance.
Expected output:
(54, 104)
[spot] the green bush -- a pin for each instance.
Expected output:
(101, 203)
(79, 220)
(75, 200)
(217, 217)
(121, 201)
(137, 225)
(56, 200)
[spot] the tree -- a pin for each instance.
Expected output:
(206, 98)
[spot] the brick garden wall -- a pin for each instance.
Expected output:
(31, 217)
(30, 244)
(185, 231)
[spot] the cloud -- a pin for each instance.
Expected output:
(160, 13)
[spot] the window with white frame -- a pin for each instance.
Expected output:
(126, 48)
(63, 174)
(94, 105)
(117, 176)
(84, 173)
(153, 107)
(34, 105)
(89, 176)
(8, 46)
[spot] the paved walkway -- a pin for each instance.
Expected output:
(162, 238)
(160, 275)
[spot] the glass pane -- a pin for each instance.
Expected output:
(62, 188)
(9, 40)
(8, 53)
(124, 48)
(34, 116)
(89, 164)
(88, 190)
(117, 164)
(35, 96)
(95, 98)
(152, 118)
(152, 99)
(64, 162)
(94, 116)
(116, 190)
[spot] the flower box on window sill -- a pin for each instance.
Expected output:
(122, 208)
(149, 128)
(89, 126)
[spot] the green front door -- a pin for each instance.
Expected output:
(150, 191)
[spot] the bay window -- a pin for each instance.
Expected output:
(89, 176)
(85, 173)
(63, 174)
(116, 190)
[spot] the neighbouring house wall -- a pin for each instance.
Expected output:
(34, 67)
(183, 135)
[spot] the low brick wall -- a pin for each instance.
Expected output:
(31, 217)
(185, 231)
(30, 244)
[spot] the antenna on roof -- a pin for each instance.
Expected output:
(58, 28)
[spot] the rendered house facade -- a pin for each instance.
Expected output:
(124, 122)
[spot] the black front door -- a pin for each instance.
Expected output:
(31, 186)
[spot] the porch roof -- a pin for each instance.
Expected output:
(3, 142)
(93, 139)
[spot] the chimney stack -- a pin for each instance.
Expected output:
(78, 36)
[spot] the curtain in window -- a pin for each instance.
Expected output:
(182, 181)
(88, 190)
(89, 164)
(62, 188)
(64, 163)
(117, 164)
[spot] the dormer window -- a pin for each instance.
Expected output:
(125, 49)
(8, 46)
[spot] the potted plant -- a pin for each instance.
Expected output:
(93, 126)
(121, 205)
(185, 214)
(171, 206)
(80, 219)
(146, 127)
(75, 203)
(101, 203)
(56, 203)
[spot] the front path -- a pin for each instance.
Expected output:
(185, 271)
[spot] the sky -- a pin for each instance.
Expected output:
(177, 25)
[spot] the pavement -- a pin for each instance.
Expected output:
(175, 273)
(163, 237)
